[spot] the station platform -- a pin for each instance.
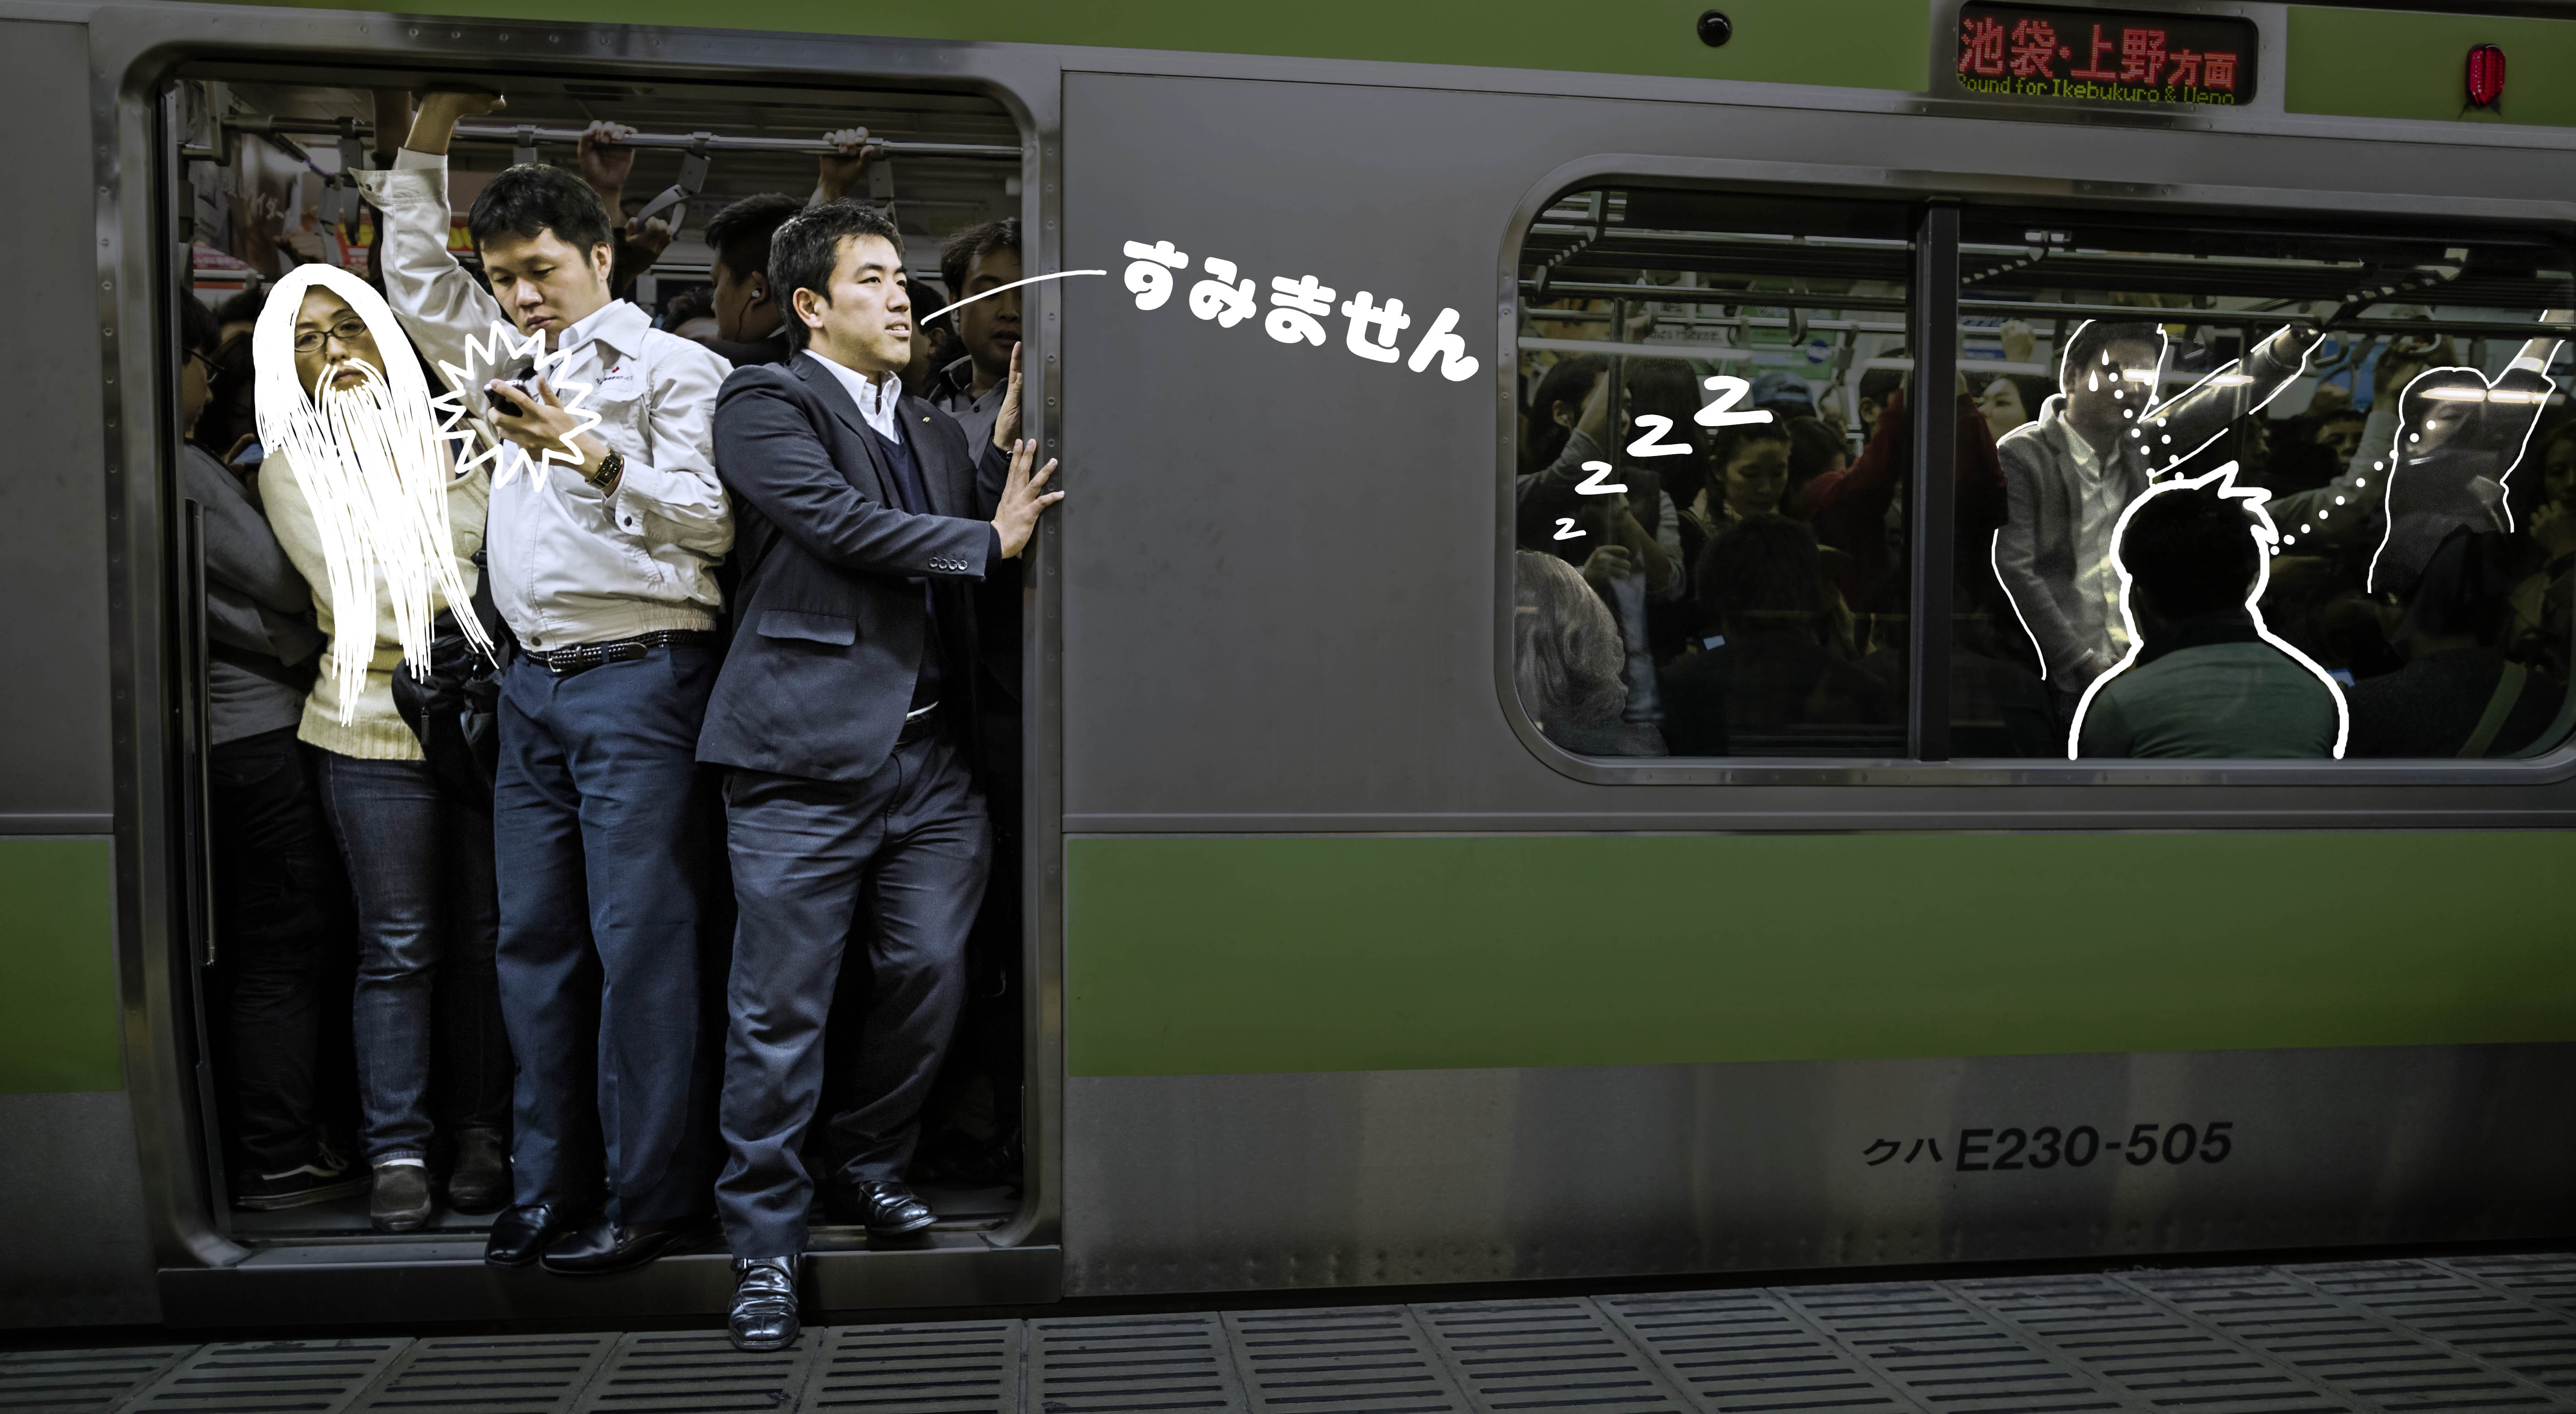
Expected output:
(2414, 1334)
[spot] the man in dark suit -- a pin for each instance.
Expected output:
(844, 713)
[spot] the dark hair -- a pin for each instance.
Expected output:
(200, 332)
(1566, 649)
(695, 302)
(530, 199)
(2192, 550)
(803, 250)
(229, 407)
(973, 244)
(2088, 342)
(1567, 382)
(244, 308)
(2034, 390)
(1877, 383)
(1730, 443)
(740, 234)
(2346, 413)
(1763, 567)
(1812, 449)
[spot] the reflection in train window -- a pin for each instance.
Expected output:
(1710, 514)
(2265, 491)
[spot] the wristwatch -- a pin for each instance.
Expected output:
(611, 467)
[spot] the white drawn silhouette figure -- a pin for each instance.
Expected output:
(364, 445)
(2460, 435)
(2102, 439)
(2265, 537)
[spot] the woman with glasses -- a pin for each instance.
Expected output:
(367, 501)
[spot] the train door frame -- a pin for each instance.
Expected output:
(137, 53)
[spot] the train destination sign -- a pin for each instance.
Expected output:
(2098, 57)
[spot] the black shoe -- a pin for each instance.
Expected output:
(887, 1208)
(521, 1233)
(764, 1304)
(480, 1182)
(329, 1176)
(599, 1247)
(400, 1202)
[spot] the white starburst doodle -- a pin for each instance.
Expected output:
(484, 361)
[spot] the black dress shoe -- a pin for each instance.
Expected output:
(888, 1209)
(519, 1234)
(599, 1247)
(764, 1304)
(480, 1180)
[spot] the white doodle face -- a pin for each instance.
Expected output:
(366, 452)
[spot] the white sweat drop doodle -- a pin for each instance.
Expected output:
(368, 459)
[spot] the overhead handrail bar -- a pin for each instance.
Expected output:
(512, 134)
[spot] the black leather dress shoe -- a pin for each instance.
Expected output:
(888, 1209)
(599, 1247)
(519, 1234)
(764, 1304)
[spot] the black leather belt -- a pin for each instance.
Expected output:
(564, 662)
(918, 723)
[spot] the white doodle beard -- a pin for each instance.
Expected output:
(370, 469)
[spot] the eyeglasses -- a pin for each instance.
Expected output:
(347, 331)
(204, 360)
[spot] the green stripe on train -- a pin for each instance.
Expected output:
(58, 1027)
(2408, 64)
(1227, 955)
(1846, 43)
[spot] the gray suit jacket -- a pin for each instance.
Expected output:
(2036, 554)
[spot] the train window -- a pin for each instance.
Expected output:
(1709, 522)
(2262, 489)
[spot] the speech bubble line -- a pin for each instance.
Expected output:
(997, 289)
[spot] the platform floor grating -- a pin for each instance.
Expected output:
(2415, 1335)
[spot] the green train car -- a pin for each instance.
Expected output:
(1340, 965)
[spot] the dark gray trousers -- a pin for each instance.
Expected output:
(891, 868)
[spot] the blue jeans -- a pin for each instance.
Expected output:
(605, 826)
(420, 867)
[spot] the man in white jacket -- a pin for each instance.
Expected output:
(603, 563)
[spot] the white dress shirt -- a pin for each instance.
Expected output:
(2095, 576)
(876, 399)
(569, 565)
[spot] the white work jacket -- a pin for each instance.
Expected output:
(570, 566)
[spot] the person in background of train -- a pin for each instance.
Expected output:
(605, 571)
(2205, 684)
(1814, 450)
(1766, 667)
(974, 262)
(1567, 659)
(2072, 472)
(1877, 385)
(1574, 397)
(843, 720)
(691, 314)
(1856, 510)
(749, 324)
(2009, 400)
(419, 863)
(2458, 694)
(606, 161)
(273, 868)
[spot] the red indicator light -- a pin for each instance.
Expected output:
(2486, 76)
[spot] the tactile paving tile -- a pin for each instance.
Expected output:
(79, 1381)
(967, 1367)
(2455, 1312)
(489, 1374)
(1546, 1355)
(1132, 1365)
(2545, 1279)
(697, 1372)
(1950, 1356)
(268, 1377)
(2376, 1363)
(1341, 1360)
(1737, 1352)
(2150, 1353)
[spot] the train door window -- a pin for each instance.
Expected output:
(263, 188)
(1710, 524)
(2262, 489)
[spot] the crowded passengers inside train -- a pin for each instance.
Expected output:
(2222, 490)
(532, 492)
